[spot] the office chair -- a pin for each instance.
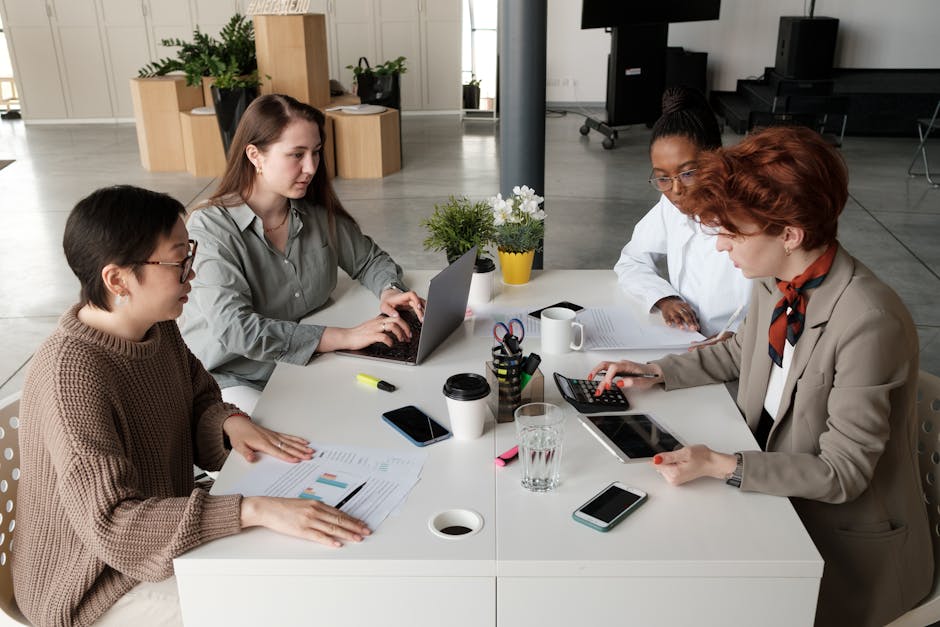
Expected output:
(924, 128)
(928, 454)
(9, 480)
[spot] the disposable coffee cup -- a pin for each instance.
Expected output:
(482, 281)
(466, 395)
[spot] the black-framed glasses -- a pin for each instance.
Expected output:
(185, 265)
(664, 183)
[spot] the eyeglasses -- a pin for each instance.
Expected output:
(664, 183)
(185, 265)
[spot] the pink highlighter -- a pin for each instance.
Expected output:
(507, 457)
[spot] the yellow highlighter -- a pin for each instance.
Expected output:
(375, 382)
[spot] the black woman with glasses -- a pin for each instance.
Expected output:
(703, 290)
(115, 411)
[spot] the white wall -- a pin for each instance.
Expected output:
(872, 34)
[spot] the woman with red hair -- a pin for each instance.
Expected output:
(827, 360)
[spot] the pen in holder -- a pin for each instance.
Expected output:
(504, 374)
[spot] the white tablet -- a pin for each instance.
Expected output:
(631, 436)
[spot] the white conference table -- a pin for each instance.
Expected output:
(702, 554)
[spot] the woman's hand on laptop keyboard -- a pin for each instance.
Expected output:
(393, 299)
(384, 330)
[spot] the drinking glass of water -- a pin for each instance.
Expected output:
(540, 429)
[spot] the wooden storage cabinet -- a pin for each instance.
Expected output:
(158, 102)
(366, 146)
(292, 50)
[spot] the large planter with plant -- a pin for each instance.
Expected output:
(379, 85)
(520, 229)
(230, 61)
(455, 227)
(471, 95)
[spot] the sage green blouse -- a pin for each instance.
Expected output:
(248, 298)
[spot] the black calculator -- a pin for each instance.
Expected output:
(580, 393)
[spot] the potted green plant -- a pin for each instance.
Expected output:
(380, 84)
(455, 227)
(229, 61)
(471, 94)
(235, 76)
(520, 229)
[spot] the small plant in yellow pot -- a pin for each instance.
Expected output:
(520, 229)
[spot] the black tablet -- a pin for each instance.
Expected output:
(631, 437)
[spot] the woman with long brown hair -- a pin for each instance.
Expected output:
(827, 361)
(271, 239)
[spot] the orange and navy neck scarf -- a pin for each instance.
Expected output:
(789, 326)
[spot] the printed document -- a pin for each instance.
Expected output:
(377, 480)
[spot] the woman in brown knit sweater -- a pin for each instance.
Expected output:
(115, 410)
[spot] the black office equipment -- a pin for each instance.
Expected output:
(580, 394)
(806, 47)
(636, 66)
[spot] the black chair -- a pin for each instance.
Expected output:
(924, 128)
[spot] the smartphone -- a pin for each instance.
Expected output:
(566, 304)
(417, 426)
(609, 507)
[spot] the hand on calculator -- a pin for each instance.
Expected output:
(633, 375)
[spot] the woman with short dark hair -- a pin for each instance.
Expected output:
(115, 411)
(827, 360)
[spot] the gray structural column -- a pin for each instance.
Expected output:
(522, 35)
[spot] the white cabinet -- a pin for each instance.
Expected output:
(58, 58)
(73, 59)
(426, 32)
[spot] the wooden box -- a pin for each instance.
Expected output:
(202, 144)
(291, 49)
(157, 105)
(367, 146)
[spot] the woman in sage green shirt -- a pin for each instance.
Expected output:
(270, 240)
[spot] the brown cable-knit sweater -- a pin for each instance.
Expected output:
(109, 433)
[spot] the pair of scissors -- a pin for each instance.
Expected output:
(505, 334)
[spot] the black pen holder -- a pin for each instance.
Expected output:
(504, 374)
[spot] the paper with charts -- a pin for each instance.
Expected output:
(378, 480)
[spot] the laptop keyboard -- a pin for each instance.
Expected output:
(404, 351)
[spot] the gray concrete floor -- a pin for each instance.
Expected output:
(594, 197)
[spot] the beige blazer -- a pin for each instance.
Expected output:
(843, 445)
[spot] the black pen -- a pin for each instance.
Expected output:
(349, 496)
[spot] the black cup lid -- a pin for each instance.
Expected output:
(484, 264)
(466, 386)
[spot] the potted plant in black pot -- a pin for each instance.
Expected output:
(230, 63)
(380, 84)
(235, 74)
(455, 227)
(471, 94)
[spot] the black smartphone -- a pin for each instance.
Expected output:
(417, 426)
(566, 304)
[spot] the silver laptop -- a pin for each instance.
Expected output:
(445, 311)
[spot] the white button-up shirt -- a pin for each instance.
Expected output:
(698, 273)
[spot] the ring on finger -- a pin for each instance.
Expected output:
(280, 444)
(383, 326)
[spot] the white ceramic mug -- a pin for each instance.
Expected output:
(558, 326)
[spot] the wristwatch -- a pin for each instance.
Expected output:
(395, 285)
(734, 479)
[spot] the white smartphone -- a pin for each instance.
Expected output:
(609, 506)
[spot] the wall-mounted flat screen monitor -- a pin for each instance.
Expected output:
(604, 13)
